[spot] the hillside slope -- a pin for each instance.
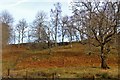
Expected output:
(62, 57)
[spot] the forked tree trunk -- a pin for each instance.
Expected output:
(103, 59)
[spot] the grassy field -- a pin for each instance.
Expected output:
(63, 62)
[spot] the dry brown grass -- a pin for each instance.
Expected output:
(62, 58)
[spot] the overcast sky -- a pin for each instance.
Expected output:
(28, 8)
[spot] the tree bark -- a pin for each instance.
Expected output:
(103, 59)
(62, 39)
(8, 73)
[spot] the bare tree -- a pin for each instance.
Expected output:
(29, 35)
(40, 27)
(55, 17)
(116, 10)
(63, 27)
(70, 29)
(49, 41)
(21, 29)
(14, 35)
(79, 19)
(100, 24)
(7, 18)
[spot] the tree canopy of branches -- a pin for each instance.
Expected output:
(7, 18)
(55, 19)
(64, 23)
(99, 22)
(21, 29)
(39, 27)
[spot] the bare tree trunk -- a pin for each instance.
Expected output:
(22, 40)
(103, 59)
(56, 37)
(8, 74)
(62, 35)
(89, 46)
(49, 46)
(71, 41)
(19, 40)
(56, 27)
(14, 36)
(22, 37)
(62, 39)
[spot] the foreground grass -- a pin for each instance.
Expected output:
(66, 72)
